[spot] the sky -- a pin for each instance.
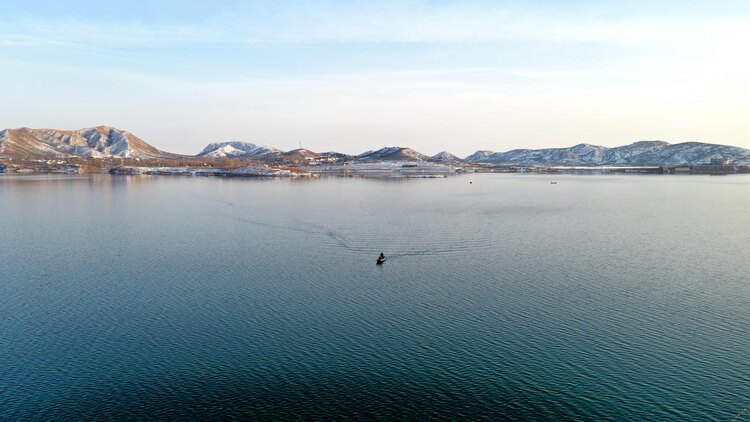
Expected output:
(352, 76)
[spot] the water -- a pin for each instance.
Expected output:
(621, 297)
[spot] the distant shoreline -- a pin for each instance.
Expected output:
(367, 170)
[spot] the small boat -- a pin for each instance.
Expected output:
(552, 183)
(381, 260)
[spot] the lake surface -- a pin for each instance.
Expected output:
(622, 297)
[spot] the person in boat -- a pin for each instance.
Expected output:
(382, 256)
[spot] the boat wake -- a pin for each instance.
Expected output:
(398, 239)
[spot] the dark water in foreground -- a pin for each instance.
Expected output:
(622, 297)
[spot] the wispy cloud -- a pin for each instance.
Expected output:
(373, 23)
(355, 74)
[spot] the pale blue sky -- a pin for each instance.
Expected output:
(353, 76)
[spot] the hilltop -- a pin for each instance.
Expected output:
(236, 149)
(446, 157)
(392, 154)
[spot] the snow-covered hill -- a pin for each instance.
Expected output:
(481, 156)
(446, 157)
(236, 149)
(393, 154)
(100, 141)
(643, 153)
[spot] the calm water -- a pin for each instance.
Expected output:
(622, 297)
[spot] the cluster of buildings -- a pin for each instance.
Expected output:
(715, 166)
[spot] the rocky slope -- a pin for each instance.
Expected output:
(97, 142)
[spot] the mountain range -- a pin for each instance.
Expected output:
(105, 141)
(643, 153)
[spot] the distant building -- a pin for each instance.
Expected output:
(716, 166)
(720, 162)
